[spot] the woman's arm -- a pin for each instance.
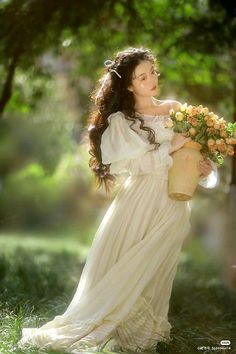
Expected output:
(177, 142)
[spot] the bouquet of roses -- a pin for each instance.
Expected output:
(216, 137)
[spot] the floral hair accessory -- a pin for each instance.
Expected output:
(108, 64)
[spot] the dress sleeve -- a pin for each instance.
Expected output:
(120, 143)
(211, 180)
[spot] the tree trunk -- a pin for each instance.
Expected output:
(7, 87)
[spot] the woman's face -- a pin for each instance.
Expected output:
(144, 79)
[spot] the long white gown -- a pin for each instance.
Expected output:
(125, 287)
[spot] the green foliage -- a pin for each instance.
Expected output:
(30, 87)
(168, 27)
(43, 169)
(33, 199)
(231, 129)
(55, 52)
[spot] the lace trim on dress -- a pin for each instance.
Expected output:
(141, 329)
(149, 118)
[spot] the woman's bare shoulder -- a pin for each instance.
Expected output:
(174, 104)
(170, 103)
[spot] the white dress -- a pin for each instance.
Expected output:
(125, 287)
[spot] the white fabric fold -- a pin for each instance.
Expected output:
(128, 152)
(120, 142)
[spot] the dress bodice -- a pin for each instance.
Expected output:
(127, 149)
(159, 123)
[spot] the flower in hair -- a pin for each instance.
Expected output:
(108, 64)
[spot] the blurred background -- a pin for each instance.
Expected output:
(51, 56)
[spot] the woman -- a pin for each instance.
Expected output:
(122, 299)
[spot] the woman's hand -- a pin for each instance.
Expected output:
(178, 141)
(205, 168)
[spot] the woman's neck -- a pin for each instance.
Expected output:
(146, 104)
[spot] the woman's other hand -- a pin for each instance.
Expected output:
(205, 168)
(178, 142)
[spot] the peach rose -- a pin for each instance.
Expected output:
(211, 130)
(222, 147)
(219, 141)
(189, 118)
(192, 131)
(222, 126)
(210, 122)
(223, 133)
(189, 109)
(194, 122)
(194, 110)
(217, 126)
(231, 141)
(210, 142)
(230, 150)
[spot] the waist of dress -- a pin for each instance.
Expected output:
(162, 172)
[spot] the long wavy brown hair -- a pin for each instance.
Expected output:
(111, 95)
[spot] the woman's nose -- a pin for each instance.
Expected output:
(153, 83)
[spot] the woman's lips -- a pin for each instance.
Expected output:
(154, 88)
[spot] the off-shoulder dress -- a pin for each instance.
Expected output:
(125, 287)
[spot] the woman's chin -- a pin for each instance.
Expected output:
(154, 92)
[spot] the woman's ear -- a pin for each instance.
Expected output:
(130, 88)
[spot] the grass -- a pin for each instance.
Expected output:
(69, 241)
(39, 277)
